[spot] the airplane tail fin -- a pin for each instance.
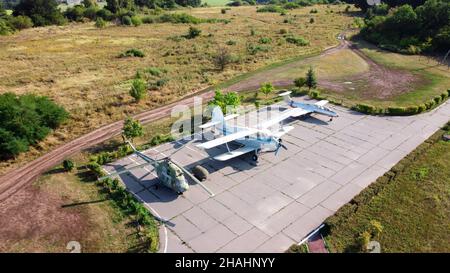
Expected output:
(287, 99)
(218, 118)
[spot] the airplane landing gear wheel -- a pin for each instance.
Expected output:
(255, 158)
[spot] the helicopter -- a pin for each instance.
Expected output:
(170, 174)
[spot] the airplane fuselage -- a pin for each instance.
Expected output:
(260, 141)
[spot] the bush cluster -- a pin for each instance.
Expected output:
(402, 111)
(297, 40)
(25, 120)
(132, 53)
(130, 206)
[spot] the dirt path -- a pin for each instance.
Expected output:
(18, 178)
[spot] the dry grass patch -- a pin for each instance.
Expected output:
(77, 65)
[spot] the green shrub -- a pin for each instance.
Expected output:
(300, 82)
(430, 104)
(91, 12)
(193, 32)
(265, 40)
(283, 31)
(95, 168)
(365, 108)
(271, 8)
(402, 111)
(314, 94)
(68, 165)
(105, 14)
(75, 13)
(183, 18)
(5, 28)
(132, 53)
(299, 92)
(136, 21)
(291, 5)
(444, 96)
(25, 120)
(21, 22)
(252, 49)
(159, 139)
(126, 21)
(155, 71)
(421, 108)
(149, 19)
(138, 89)
(297, 40)
(223, 11)
(230, 42)
(313, 11)
(311, 20)
(437, 99)
(100, 23)
(412, 110)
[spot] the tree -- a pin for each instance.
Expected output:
(115, 5)
(89, 3)
(68, 165)
(138, 89)
(266, 88)
(222, 58)
(311, 80)
(132, 128)
(42, 12)
(100, 23)
(404, 19)
(230, 100)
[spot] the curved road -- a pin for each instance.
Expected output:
(18, 178)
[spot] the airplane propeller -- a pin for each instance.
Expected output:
(280, 144)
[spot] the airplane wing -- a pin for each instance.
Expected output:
(293, 112)
(212, 123)
(234, 153)
(283, 131)
(227, 138)
(321, 103)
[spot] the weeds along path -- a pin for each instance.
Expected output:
(18, 178)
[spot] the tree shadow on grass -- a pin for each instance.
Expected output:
(83, 203)
(86, 176)
(55, 171)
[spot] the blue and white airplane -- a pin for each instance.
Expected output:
(253, 140)
(317, 108)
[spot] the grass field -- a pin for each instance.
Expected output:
(77, 65)
(60, 208)
(413, 207)
(412, 80)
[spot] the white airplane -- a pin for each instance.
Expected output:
(317, 108)
(257, 140)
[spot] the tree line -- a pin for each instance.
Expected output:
(29, 13)
(408, 26)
